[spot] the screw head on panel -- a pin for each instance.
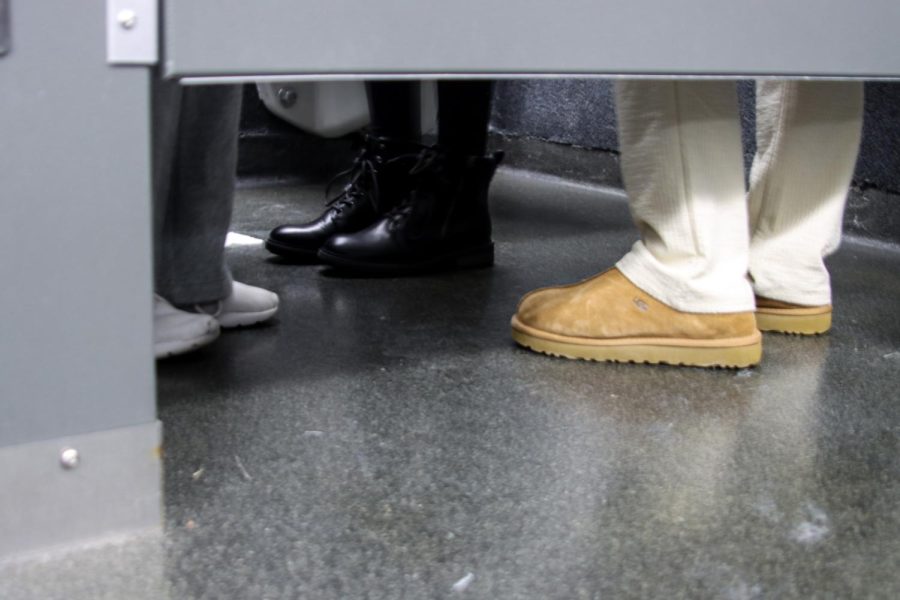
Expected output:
(287, 96)
(127, 18)
(69, 458)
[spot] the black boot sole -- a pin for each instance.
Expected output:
(468, 258)
(294, 254)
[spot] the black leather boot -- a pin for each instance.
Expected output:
(444, 224)
(378, 181)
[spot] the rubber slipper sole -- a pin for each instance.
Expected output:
(732, 353)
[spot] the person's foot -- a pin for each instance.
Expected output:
(247, 305)
(784, 317)
(608, 318)
(378, 181)
(178, 331)
(444, 224)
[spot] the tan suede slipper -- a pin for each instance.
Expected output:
(783, 317)
(608, 318)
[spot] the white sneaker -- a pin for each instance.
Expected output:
(178, 331)
(247, 305)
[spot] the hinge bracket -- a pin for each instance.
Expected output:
(132, 32)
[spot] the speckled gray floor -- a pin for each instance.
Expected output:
(384, 439)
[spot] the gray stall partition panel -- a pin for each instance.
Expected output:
(824, 38)
(79, 440)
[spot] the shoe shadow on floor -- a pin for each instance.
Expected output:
(292, 262)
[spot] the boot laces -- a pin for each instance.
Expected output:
(424, 162)
(362, 183)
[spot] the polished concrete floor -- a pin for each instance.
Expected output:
(384, 439)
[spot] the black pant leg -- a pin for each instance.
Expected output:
(464, 112)
(394, 109)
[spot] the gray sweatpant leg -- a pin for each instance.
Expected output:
(194, 160)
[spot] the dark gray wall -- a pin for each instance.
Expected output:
(578, 112)
(879, 163)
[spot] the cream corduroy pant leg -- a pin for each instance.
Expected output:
(807, 136)
(682, 164)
